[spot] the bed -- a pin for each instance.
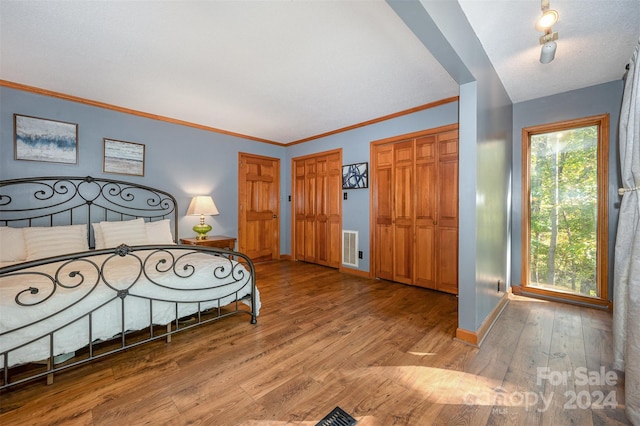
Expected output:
(90, 267)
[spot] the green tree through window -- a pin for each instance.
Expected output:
(564, 210)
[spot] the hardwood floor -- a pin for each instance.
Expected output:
(383, 352)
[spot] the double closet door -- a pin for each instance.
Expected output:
(317, 208)
(415, 209)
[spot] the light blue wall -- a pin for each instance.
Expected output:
(186, 161)
(355, 146)
(595, 100)
(210, 166)
(182, 160)
(485, 163)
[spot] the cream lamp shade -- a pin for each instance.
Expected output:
(202, 205)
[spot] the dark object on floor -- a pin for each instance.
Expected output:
(337, 417)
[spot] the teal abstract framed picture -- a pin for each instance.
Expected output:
(42, 139)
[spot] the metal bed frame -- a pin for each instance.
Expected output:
(50, 201)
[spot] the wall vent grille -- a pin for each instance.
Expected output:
(350, 248)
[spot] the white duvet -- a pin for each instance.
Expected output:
(210, 282)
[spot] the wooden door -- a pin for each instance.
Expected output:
(310, 197)
(317, 208)
(403, 200)
(259, 207)
(382, 201)
(328, 209)
(447, 220)
(323, 237)
(299, 214)
(333, 209)
(426, 212)
(414, 204)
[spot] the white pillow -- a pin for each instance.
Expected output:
(159, 232)
(98, 239)
(55, 240)
(12, 248)
(129, 232)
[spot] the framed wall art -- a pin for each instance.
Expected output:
(355, 176)
(125, 158)
(41, 139)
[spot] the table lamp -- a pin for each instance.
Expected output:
(202, 205)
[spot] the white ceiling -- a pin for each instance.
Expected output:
(595, 42)
(284, 71)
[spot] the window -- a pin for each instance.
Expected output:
(565, 219)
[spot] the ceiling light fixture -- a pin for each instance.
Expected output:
(547, 20)
(548, 52)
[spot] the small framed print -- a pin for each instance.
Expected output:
(41, 139)
(355, 176)
(125, 158)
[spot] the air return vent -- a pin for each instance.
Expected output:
(337, 417)
(350, 248)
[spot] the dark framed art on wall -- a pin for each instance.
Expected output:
(355, 176)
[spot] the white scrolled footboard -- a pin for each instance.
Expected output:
(62, 304)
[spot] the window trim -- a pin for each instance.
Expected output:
(602, 266)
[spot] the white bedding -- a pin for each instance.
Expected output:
(106, 321)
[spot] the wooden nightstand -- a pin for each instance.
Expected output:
(219, 241)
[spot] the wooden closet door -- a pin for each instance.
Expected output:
(403, 213)
(447, 230)
(323, 236)
(414, 203)
(310, 195)
(299, 214)
(328, 209)
(382, 194)
(317, 208)
(426, 212)
(333, 207)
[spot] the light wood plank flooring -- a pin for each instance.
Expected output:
(383, 352)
